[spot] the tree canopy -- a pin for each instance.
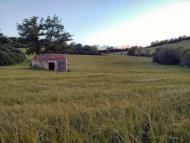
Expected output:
(44, 35)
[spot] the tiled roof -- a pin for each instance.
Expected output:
(49, 57)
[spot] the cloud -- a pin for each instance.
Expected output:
(165, 22)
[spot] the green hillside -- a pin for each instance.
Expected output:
(185, 44)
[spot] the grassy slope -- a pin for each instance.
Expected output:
(185, 44)
(102, 99)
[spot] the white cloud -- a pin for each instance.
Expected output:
(165, 22)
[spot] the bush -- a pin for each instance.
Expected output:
(185, 58)
(10, 55)
(5, 59)
(132, 51)
(167, 56)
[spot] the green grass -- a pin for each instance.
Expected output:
(185, 44)
(105, 99)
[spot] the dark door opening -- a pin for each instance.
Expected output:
(52, 66)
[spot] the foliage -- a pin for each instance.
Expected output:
(3, 39)
(168, 41)
(12, 41)
(44, 35)
(55, 37)
(10, 55)
(30, 31)
(172, 56)
(132, 51)
(139, 51)
(167, 56)
(114, 50)
(185, 57)
(106, 99)
(83, 49)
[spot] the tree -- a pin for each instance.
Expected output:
(12, 40)
(55, 36)
(44, 35)
(77, 48)
(3, 39)
(80, 49)
(167, 56)
(132, 51)
(31, 30)
(109, 48)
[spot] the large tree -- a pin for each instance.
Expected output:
(55, 36)
(30, 31)
(44, 35)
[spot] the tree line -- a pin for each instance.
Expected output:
(168, 41)
(139, 51)
(47, 35)
(16, 42)
(71, 48)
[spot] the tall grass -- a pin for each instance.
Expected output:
(113, 99)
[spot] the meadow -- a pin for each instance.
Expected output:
(102, 99)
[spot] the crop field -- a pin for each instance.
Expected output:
(102, 99)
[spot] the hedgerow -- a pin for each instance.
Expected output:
(10, 55)
(172, 56)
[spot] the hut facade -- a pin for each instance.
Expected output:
(55, 62)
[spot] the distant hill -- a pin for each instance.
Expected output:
(151, 50)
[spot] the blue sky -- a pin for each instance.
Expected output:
(103, 22)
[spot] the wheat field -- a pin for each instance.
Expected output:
(102, 99)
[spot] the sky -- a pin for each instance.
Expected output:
(104, 22)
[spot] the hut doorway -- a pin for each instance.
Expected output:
(51, 66)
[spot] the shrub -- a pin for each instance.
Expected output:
(147, 53)
(185, 58)
(132, 51)
(5, 59)
(167, 56)
(10, 55)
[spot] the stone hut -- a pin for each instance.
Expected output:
(54, 62)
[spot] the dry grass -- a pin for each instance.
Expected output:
(102, 99)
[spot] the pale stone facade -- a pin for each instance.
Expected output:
(55, 62)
